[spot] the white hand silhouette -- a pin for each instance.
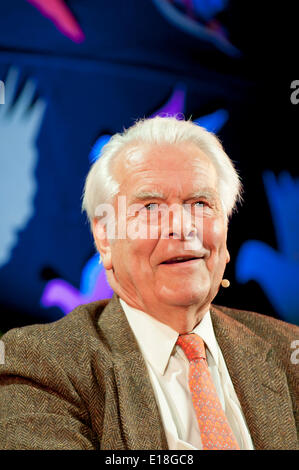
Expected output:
(19, 126)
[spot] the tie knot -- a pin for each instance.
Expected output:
(192, 345)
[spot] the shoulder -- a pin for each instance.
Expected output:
(81, 321)
(283, 337)
(260, 324)
(63, 346)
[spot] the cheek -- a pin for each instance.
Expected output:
(142, 249)
(139, 262)
(133, 256)
(214, 235)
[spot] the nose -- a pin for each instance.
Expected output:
(191, 234)
(181, 224)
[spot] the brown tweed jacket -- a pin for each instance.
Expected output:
(81, 382)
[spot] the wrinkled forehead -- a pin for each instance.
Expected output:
(156, 164)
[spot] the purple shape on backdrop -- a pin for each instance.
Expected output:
(102, 289)
(175, 105)
(60, 293)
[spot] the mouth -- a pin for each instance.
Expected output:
(184, 260)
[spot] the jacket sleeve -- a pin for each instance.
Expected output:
(40, 407)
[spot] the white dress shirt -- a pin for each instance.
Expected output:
(168, 370)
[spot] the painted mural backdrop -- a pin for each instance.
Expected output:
(72, 73)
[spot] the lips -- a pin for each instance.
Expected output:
(180, 259)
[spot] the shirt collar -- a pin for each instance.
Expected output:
(157, 340)
(206, 331)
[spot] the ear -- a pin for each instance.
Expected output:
(102, 242)
(227, 256)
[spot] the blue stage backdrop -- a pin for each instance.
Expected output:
(75, 72)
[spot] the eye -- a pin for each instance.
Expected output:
(151, 206)
(200, 203)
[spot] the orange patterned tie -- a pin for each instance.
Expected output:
(215, 431)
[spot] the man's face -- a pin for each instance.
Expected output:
(145, 269)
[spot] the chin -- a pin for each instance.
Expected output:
(182, 297)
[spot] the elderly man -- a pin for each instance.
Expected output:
(158, 366)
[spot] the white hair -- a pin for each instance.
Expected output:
(101, 186)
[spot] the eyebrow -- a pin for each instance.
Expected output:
(144, 195)
(207, 193)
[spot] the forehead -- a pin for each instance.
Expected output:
(170, 167)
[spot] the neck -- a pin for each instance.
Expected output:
(181, 318)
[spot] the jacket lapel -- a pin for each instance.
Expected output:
(139, 416)
(259, 382)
